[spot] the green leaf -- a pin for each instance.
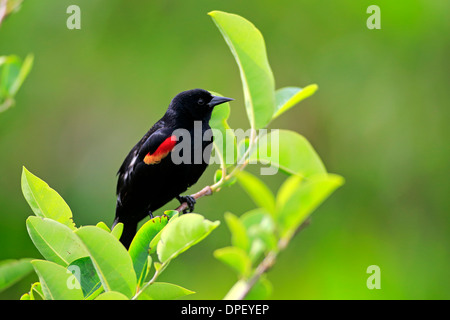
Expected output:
(247, 45)
(261, 232)
(117, 230)
(13, 6)
(57, 282)
(13, 74)
(242, 147)
(112, 295)
(12, 271)
(261, 290)
(217, 175)
(55, 241)
(23, 73)
(140, 246)
(163, 291)
(173, 215)
(103, 226)
(224, 138)
(239, 237)
(147, 267)
(25, 296)
(44, 201)
(257, 190)
(111, 260)
(296, 203)
(35, 289)
(84, 270)
(288, 97)
(290, 152)
(186, 231)
(236, 258)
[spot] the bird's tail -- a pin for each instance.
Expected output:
(129, 230)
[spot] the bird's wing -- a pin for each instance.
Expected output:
(151, 149)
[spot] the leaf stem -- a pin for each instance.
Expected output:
(152, 280)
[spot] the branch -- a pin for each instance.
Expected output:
(265, 265)
(242, 163)
(3, 4)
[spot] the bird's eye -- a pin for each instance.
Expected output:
(201, 102)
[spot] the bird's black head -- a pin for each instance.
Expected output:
(197, 103)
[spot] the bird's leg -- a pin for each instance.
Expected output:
(190, 200)
(150, 214)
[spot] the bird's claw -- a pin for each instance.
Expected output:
(190, 200)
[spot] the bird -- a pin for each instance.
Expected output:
(152, 174)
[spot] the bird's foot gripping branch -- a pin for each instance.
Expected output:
(90, 262)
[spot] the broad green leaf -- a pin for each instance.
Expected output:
(236, 258)
(163, 291)
(112, 295)
(44, 201)
(224, 138)
(55, 241)
(140, 246)
(186, 231)
(294, 207)
(12, 271)
(257, 190)
(290, 152)
(247, 45)
(239, 237)
(111, 260)
(288, 97)
(84, 270)
(57, 282)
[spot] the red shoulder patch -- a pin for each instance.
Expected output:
(162, 151)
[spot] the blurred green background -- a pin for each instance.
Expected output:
(380, 119)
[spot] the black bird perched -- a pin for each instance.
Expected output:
(149, 177)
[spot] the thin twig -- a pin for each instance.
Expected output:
(268, 262)
(3, 4)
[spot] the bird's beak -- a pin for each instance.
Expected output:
(216, 100)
